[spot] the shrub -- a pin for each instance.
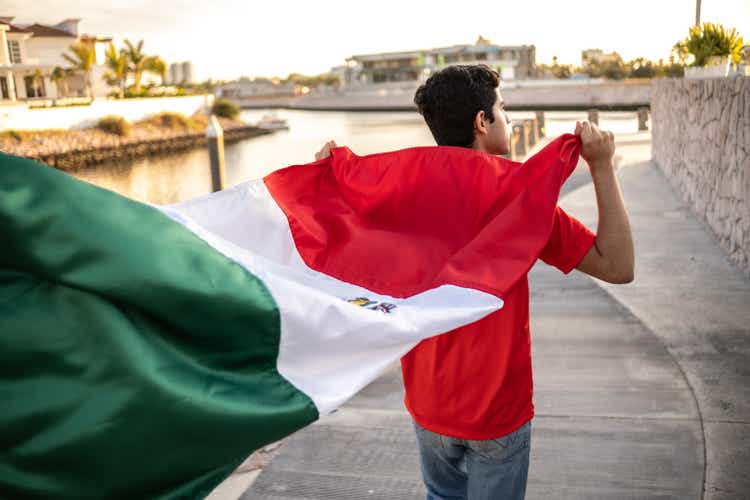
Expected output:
(225, 109)
(170, 119)
(113, 124)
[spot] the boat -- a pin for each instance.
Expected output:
(272, 122)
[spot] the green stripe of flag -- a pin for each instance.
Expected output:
(135, 360)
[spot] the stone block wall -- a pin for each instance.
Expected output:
(701, 140)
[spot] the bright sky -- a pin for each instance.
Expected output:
(228, 38)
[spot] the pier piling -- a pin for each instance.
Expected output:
(215, 136)
(594, 116)
(518, 143)
(540, 124)
(642, 119)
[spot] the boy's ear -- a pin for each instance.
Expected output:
(480, 123)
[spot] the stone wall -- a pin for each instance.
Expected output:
(701, 140)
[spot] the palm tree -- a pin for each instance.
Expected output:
(156, 65)
(37, 82)
(117, 62)
(58, 76)
(137, 59)
(82, 57)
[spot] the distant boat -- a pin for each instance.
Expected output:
(272, 122)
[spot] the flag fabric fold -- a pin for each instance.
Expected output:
(147, 350)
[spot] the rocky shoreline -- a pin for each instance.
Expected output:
(70, 149)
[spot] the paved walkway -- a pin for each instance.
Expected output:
(641, 391)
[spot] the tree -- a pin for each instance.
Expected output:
(58, 76)
(641, 68)
(156, 65)
(37, 82)
(611, 67)
(117, 63)
(679, 52)
(137, 60)
(82, 56)
(671, 69)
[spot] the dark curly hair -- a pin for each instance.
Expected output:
(450, 99)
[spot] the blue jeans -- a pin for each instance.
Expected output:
(495, 469)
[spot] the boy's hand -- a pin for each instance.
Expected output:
(325, 151)
(598, 146)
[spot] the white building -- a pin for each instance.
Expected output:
(597, 56)
(245, 88)
(30, 53)
(187, 72)
(513, 62)
(175, 74)
(181, 73)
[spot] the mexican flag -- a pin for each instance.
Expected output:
(145, 350)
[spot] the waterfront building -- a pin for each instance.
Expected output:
(187, 72)
(29, 54)
(181, 73)
(513, 62)
(246, 88)
(175, 74)
(597, 56)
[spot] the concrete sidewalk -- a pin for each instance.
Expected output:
(697, 304)
(641, 390)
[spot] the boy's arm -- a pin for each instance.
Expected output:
(611, 259)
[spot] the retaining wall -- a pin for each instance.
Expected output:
(20, 117)
(701, 140)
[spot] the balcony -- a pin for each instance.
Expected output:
(26, 64)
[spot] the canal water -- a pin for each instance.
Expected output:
(177, 177)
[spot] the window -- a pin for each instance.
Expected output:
(4, 88)
(14, 50)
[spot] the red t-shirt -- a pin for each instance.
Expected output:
(475, 382)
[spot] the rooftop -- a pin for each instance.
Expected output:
(482, 45)
(12, 28)
(41, 30)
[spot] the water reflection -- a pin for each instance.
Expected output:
(157, 179)
(168, 179)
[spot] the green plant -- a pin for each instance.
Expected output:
(709, 39)
(58, 76)
(137, 60)
(156, 65)
(82, 57)
(139, 63)
(117, 64)
(113, 124)
(225, 109)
